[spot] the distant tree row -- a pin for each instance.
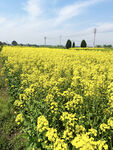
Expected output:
(69, 44)
(13, 43)
(106, 46)
(109, 46)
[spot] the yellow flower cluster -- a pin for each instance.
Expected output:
(110, 96)
(52, 134)
(60, 145)
(54, 107)
(107, 126)
(87, 48)
(42, 124)
(79, 129)
(84, 142)
(68, 134)
(19, 119)
(92, 131)
(68, 119)
(110, 122)
(104, 127)
(71, 105)
(18, 103)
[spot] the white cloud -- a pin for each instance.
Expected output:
(105, 27)
(102, 28)
(2, 20)
(26, 30)
(73, 10)
(104, 34)
(33, 8)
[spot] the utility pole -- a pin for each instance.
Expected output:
(95, 31)
(45, 38)
(60, 40)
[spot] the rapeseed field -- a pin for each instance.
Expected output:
(63, 98)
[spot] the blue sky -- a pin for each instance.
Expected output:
(28, 21)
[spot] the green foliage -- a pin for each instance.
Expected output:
(1, 43)
(1, 46)
(68, 44)
(2, 78)
(14, 43)
(10, 135)
(73, 44)
(83, 43)
(108, 46)
(98, 46)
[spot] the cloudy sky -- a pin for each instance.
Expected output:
(29, 21)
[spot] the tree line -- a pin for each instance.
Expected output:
(69, 44)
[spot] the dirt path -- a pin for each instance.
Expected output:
(10, 134)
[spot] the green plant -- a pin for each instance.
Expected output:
(73, 44)
(68, 44)
(83, 43)
(14, 43)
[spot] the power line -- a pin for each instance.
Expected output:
(77, 37)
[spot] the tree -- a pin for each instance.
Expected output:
(1, 43)
(4, 43)
(14, 43)
(73, 44)
(98, 46)
(1, 48)
(108, 46)
(83, 43)
(68, 44)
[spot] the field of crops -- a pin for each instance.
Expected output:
(63, 98)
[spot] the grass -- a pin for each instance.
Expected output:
(11, 137)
